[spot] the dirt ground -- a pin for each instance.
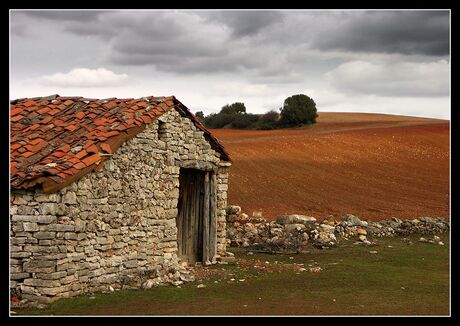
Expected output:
(372, 165)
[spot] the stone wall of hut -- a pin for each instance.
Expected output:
(116, 227)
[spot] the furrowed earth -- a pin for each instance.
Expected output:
(374, 166)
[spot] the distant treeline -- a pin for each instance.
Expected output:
(298, 110)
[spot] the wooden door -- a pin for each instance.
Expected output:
(196, 219)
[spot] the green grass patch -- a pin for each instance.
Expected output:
(398, 280)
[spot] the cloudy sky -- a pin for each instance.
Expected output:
(395, 62)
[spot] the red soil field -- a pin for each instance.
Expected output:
(374, 166)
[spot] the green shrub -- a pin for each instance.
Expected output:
(298, 110)
(244, 121)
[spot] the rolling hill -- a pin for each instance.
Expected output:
(375, 166)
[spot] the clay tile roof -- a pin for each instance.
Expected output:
(56, 140)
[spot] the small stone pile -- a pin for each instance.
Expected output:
(296, 232)
(174, 275)
(288, 232)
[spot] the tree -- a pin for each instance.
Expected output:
(200, 115)
(235, 108)
(298, 110)
(244, 121)
(270, 116)
(219, 120)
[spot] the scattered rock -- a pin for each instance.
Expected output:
(229, 259)
(361, 231)
(362, 238)
(295, 219)
(351, 220)
(201, 286)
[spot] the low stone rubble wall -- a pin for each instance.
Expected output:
(296, 232)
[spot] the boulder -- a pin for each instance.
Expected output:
(291, 228)
(233, 210)
(351, 220)
(242, 217)
(295, 219)
(326, 228)
(427, 220)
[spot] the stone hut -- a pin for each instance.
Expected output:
(108, 192)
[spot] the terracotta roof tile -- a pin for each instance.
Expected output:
(33, 127)
(65, 148)
(44, 110)
(46, 120)
(29, 103)
(58, 154)
(80, 166)
(81, 154)
(69, 131)
(146, 119)
(111, 133)
(15, 110)
(106, 148)
(53, 112)
(91, 159)
(92, 149)
(70, 127)
(52, 171)
(16, 118)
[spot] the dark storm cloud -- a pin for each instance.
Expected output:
(66, 15)
(404, 32)
(259, 44)
(246, 23)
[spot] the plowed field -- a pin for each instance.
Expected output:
(374, 166)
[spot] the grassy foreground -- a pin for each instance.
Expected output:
(399, 279)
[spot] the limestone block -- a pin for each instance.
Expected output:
(30, 226)
(44, 235)
(55, 290)
(19, 276)
(69, 198)
(51, 276)
(41, 283)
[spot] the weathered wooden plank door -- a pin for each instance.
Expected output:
(196, 219)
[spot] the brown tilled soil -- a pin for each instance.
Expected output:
(372, 165)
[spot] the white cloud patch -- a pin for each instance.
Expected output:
(84, 77)
(240, 89)
(392, 79)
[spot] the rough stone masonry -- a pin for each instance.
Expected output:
(114, 228)
(299, 232)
